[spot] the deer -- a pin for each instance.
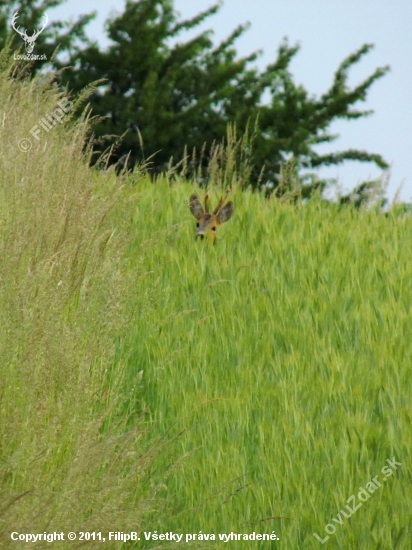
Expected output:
(207, 223)
(28, 40)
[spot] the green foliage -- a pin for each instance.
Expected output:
(227, 164)
(280, 355)
(174, 100)
(174, 97)
(68, 459)
(272, 369)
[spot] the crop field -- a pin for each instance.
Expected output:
(281, 353)
(257, 387)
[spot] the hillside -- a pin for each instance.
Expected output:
(154, 383)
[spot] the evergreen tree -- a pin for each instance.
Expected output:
(174, 94)
(172, 97)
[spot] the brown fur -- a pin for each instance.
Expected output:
(207, 223)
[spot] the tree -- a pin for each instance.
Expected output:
(173, 97)
(170, 95)
(185, 94)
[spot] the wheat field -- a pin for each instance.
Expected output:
(156, 384)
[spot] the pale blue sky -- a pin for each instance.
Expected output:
(328, 30)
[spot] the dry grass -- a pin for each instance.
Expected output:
(67, 459)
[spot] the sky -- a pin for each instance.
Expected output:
(327, 31)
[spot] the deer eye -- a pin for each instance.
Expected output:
(214, 228)
(197, 225)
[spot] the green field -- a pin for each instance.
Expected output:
(283, 352)
(154, 383)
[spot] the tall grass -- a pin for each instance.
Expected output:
(68, 460)
(284, 354)
(277, 362)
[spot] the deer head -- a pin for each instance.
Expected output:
(28, 40)
(207, 223)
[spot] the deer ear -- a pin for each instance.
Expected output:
(226, 213)
(195, 207)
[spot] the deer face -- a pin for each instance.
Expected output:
(207, 223)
